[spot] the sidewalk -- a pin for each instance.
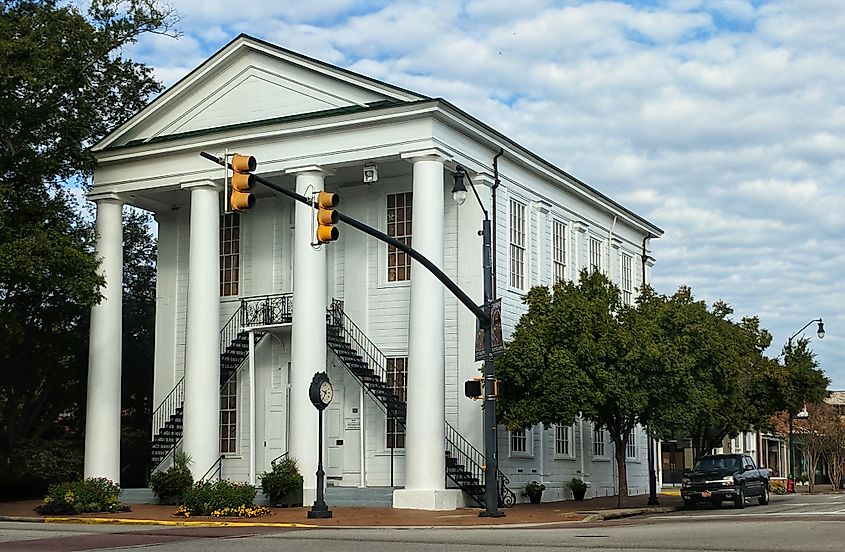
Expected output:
(568, 511)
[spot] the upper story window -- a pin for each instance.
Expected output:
(631, 449)
(517, 244)
(230, 253)
(598, 441)
(595, 255)
(558, 250)
(399, 219)
(397, 382)
(627, 279)
(563, 440)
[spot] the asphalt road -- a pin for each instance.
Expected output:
(789, 523)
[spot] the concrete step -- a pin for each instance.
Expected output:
(143, 495)
(373, 497)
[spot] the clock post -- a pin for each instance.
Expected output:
(320, 392)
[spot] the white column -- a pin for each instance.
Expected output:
(201, 435)
(102, 423)
(425, 461)
(308, 334)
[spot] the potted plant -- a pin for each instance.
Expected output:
(171, 484)
(283, 484)
(534, 492)
(578, 488)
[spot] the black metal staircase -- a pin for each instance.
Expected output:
(256, 312)
(369, 366)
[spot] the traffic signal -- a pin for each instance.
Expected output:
(474, 388)
(241, 197)
(327, 217)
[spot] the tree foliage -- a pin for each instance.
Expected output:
(579, 348)
(669, 363)
(65, 83)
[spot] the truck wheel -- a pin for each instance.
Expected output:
(739, 501)
(717, 504)
(763, 499)
(688, 502)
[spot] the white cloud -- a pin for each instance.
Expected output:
(719, 120)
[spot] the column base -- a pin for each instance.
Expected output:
(434, 499)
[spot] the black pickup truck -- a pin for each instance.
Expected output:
(721, 477)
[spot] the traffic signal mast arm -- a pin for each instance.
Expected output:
(478, 311)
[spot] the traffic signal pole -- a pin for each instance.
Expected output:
(480, 313)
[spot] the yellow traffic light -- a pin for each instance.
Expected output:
(241, 197)
(327, 217)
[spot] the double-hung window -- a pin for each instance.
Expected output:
(558, 250)
(595, 255)
(520, 442)
(631, 449)
(563, 440)
(399, 221)
(627, 279)
(230, 253)
(598, 441)
(517, 244)
(397, 382)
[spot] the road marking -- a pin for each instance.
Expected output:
(781, 514)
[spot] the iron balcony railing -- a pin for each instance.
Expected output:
(267, 310)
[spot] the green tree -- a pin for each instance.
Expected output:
(65, 83)
(579, 349)
(721, 371)
(139, 290)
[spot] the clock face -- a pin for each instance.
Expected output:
(326, 392)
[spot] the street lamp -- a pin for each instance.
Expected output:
(820, 333)
(491, 493)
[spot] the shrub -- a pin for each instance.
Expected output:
(175, 481)
(220, 498)
(534, 488)
(95, 494)
(282, 479)
(35, 464)
(576, 485)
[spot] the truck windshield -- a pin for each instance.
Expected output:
(712, 463)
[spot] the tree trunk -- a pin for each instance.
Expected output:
(620, 446)
(812, 463)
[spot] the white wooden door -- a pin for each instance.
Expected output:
(274, 424)
(334, 435)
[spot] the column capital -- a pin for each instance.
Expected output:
(484, 178)
(579, 226)
(97, 197)
(202, 183)
(318, 169)
(427, 154)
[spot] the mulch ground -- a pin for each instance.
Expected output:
(548, 512)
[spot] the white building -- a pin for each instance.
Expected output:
(241, 320)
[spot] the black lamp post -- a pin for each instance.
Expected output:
(491, 492)
(820, 333)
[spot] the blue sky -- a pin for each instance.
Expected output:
(722, 121)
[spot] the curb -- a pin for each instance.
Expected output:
(631, 512)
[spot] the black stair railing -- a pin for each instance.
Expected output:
(465, 465)
(369, 365)
(234, 348)
(358, 339)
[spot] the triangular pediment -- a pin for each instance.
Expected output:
(246, 82)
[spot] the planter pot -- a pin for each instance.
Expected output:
(535, 498)
(293, 499)
(579, 494)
